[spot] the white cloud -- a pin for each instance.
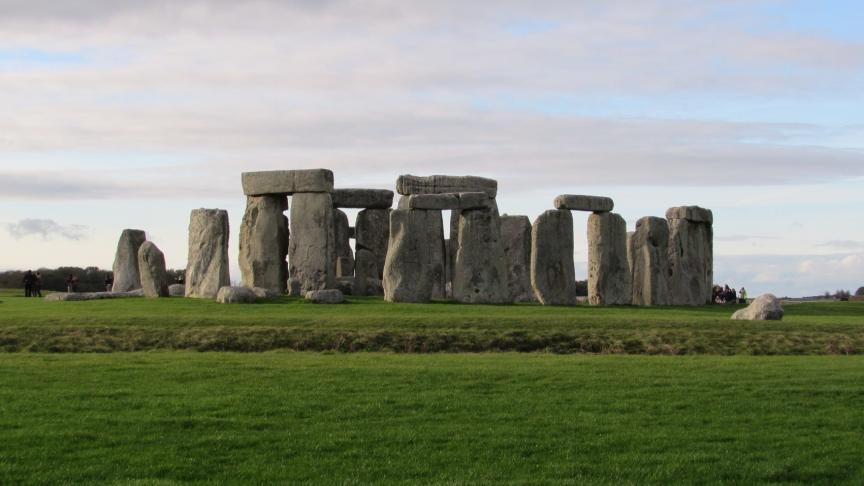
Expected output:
(46, 228)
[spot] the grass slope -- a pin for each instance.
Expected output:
(164, 418)
(372, 325)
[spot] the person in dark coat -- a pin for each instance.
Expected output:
(37, 285)
(29, 280)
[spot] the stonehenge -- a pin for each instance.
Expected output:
(151, 263)
(609, 279)
(691, 255)
(516, 240)
(207, 263)
(553, 276)
(414, 267)
(264, 238)
(648, 255)
(126, 273)
(402, 253)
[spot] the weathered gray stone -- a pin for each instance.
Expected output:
(345, 285)
(608, 270)
(126, 273)
(264, 240)
(311, 252)
(362, 198)
(77, 296)
(415, 257)
(480, 269)
(577, 202)
(294, 288)
(329, 296)
(207, 264)
(151, 264)
(691, 262)
(455, 201)
(553, 276)
(766, 307)
(372, 233)
(344, 254)
(441, 184)
(177, 290)
(691, 213)
(286, 182)
(236, 295)
(516, 238)
(648, 254)
(365, 270)
(262, 293)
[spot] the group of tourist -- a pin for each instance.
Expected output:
(727, 295)
(32, 284)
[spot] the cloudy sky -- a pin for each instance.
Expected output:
(128, 114)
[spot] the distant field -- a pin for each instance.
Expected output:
(369, 324)
(494, 418)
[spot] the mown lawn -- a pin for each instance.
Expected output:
(494, 418)
(372, 325)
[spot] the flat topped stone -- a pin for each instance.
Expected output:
(691, 213)
(453, 201)
(287, 182)
(408, 185)
(578, 202)
(362, 198)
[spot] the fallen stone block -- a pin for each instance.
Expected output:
(766, 307)
(328, 296)
(575, 202)
(286, 182)
(177, 290)
(236, 295)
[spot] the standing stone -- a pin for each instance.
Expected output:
(648, 254)
(480, 268)
(415, 256)
(516, 238)
(366, 280)
(126, 274)
(207, 265)
(311, 254)
(342, 238)
(608, 269)
(154, 277)
(264, 243)
(553, 276)
(691, 255)
(372, 233)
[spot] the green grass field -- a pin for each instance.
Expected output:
(369, 324)
(493, 418)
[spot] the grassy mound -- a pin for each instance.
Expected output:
(369, 324)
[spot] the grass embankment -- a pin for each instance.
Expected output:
(369, 324)
(499, 418)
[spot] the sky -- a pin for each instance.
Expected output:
(126, 114)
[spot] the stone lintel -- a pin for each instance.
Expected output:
(362, 198)
(578, 202)
(409, 185)
(287, 182)
(455, 201)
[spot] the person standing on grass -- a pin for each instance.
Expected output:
(70, 283)
(742, 296)
(37, 285)
(109, 283)
(28, 283)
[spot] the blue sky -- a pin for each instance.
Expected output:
(130, 114)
